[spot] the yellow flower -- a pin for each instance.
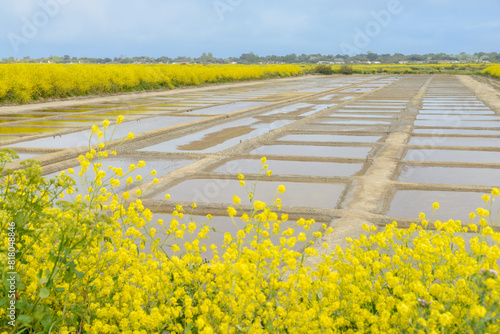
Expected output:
(130, 136)
(209, 217)
(167, 196)
(236, 199)
(94, 129)
(153, 172)
(478, 311)
(263, 160)
(193, 205)
(241, 176)
(176, 248)
(138, 192)
(141, 164)
(126, 195)
(120, 119)
(269, 173)
(231, 211)
(130, 180)
(258, 205)
(242, 183)
(138, 178)
(71, 170)
(105, 124)
(155, 181)
(435, 205)
(486, 198)
(281, 189)
(495, 192)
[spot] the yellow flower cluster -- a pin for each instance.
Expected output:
(102, 264)
(26, 82)
(493, 71)
(468, 68)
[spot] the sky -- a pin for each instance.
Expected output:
(155, 28)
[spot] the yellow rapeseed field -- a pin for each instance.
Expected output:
(493, 70)
(27, 82)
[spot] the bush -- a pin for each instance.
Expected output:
(346, 69)
(82, 266)
(324, 69)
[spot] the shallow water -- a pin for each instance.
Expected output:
(298, 194)
(227, 108)
(288, 109)
(66, 123)
(25, 130)
(328, 97)
(314, 90)
(313, 151)
(23, 156)
(458, 111)
(287, 167)
(453, 156)
(77, 110)
(162, 167)
(219, 137)
(357, 122)
(458, 123)
(455, 141)
(457, 118)
(330, 138)
(451, 175)
(81, 138)
(24, 115)
(438, 131)
(452, 205)
(368, 111)
(373, 106)
(358, 115)
(5, 138)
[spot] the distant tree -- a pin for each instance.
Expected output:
(291, 58)
(371, 56)
(250, 58)
(415, 57)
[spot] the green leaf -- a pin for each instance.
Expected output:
(38, 315)
(25, 319)
(44, 293)
(78, 274)
(19, 219)
(46, 322)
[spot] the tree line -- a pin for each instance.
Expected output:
(252, 58)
